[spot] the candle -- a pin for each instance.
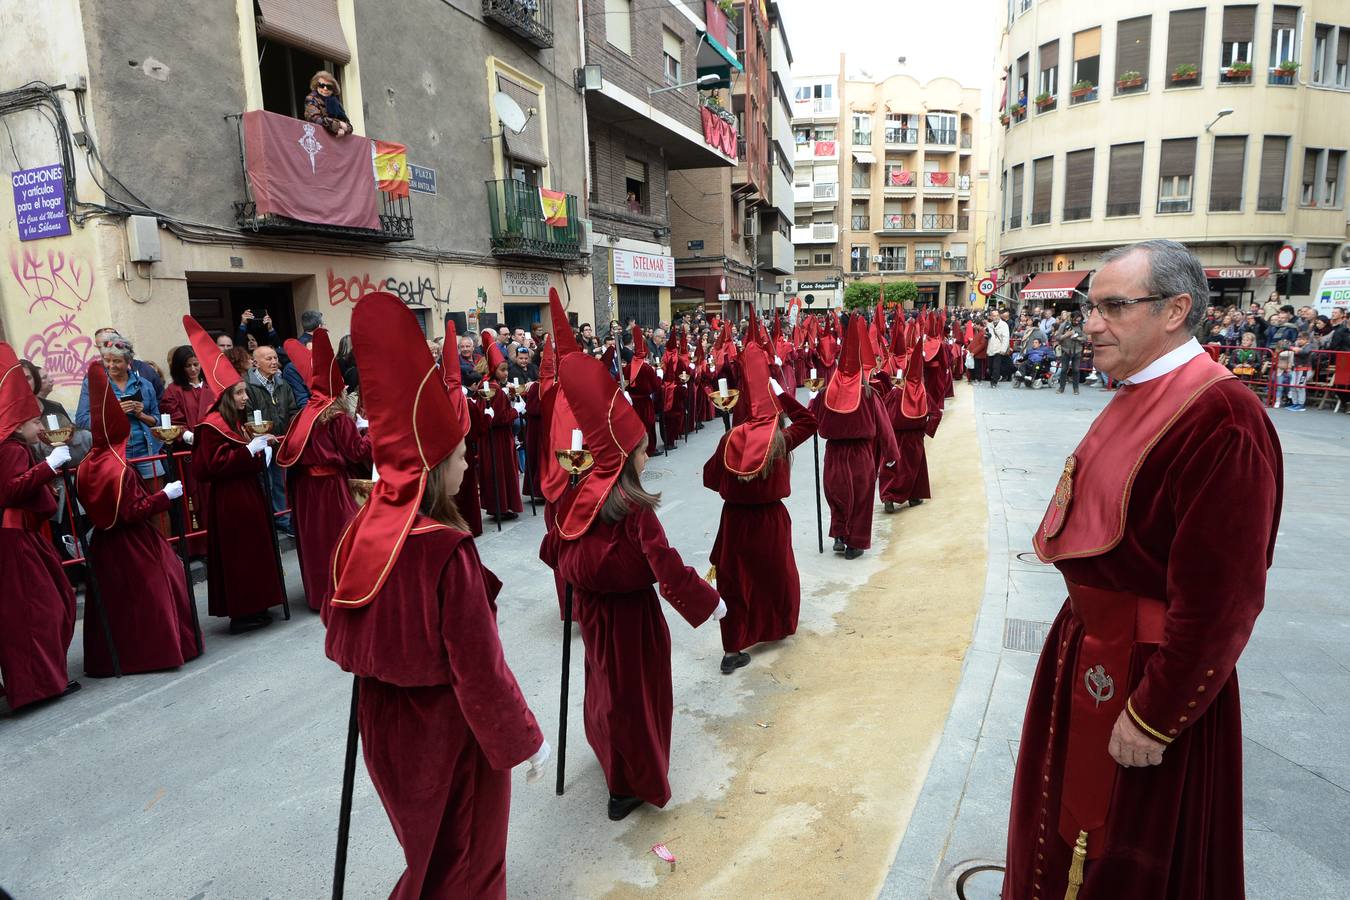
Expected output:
(516, 382)
(813, 374)
(257, 417)
(722, 386)
(164, 420)
(51, 423)
(576, 438)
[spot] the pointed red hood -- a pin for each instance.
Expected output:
(914, 401)
(844, 392)
(452, 378)
(639, 353)
(18, 403)
(563, 337)
(218, 371)
(99, 482)
(747, 445)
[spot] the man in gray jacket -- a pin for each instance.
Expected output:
(999, 347)
(269, 393)
(1069, 339)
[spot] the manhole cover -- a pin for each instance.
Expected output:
(1029, 556)
(982, 881)
(1025, 635)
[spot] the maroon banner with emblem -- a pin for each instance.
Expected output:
(301, 171)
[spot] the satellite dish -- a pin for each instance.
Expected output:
(509, 112)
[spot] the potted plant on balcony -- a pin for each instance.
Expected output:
(1045, 99)
(1238, 71)
(727, 6)
(1285, 71)
(1129, 80)
(1017, 110)
(1184, 73)
(1004, 118)
(1082, 88)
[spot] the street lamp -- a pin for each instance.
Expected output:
(702, 81)
(1226, 111)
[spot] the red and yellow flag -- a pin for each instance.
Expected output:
(554, 204)
(391, 167)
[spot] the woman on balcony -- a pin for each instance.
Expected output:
(322, 106)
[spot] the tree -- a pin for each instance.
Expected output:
(864, 295)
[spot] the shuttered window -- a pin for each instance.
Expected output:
(1176, 171)
(619, 24)
(1042, 179)
(1283, 28)
(311, 25)
(1124, 181)
(1311, 156)
(1048, 60)
(1274, 157)
(1015, 211)
(1087, 55)
(1239, 28)
(634, 169)
(1132, 45)
(1185, 43)
(528, 146)
(1226, 173)
(1078, 185)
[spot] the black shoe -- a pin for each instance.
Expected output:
(852, 553)
(915, 502)
(71, 688)
(620, 807)
(250, 623)
(733, 661)
(508, 516)
(657, 453)
(890, 507)
(839, 545)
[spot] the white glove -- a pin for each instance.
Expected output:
(362, 423)
(721, 612)
(519, 406)
(267, 459)
(891, 464)
(777, 361)
(258, 444)
(777, 388)
(187, 438)
(488, 412)
(173, 490)
(811, 395)
(464, 389)
(536, 769)
(660, 374)
(58, 457)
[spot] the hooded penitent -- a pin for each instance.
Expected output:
(914, 401)
(748, 444)
(413, 428)
(218, 371)
(612, 431)
(452, 379)
(100, 482)
(639, 353)
(18, 403)
(844, 391)
(318, 365)
(557, 415)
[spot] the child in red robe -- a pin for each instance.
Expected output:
(906, 407)
(498, 472)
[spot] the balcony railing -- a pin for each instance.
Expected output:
(1270, 204)
(862, 181)
(896, 137)
(899, 180)
(859, 265)
(927, 262)
(1040, 216)
(1082, 95)
(965, 140)
(862, 223)
(941, 181)
(1225, 204)
(898, 222)
(815, 233)
(1281, 76)
(1122, 209)
(963, 184)
(891, 264)
(862, 138)
(939, 222)
(958, 264)
(817, 151)
(1076, 213)
(816, 107)
(943, 136)
(825, 190)
(516, 216)
(531, 19)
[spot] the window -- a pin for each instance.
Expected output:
(1133, 37)
(1003, 193)
(892, 258)
(940, 128)
(1311, 158)
(1087, 58)
(525, 153)
(1024, 6)
(862, 128)
(802, 260)
(635, 185)
(1176, 172)
(672, 51)
(1274, 157)
(1226, 173)
(823, 258)
(619, 24)
(1239, 27)
(285, 70)
(900, 129)
(862, 175)
(1015, 211)
(1185, 47)
(1342, 55)
(859, 219)
(1042, 185)
(595, 173)
(1124, 181)
(1048, 85)
(1078, 185)
(927, 257)
(859, 258)
(1331, 180)
(1284, 35)
(1023, 78)
(898, 176)
(1331, 48)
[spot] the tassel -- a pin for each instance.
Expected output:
(711, 577)
(1076, 867)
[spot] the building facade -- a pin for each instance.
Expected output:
(1219, 125)
(885, 185)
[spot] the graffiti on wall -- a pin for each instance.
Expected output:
(63, 349)
(417, 292)
(56, 285)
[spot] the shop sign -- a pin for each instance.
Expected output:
(524, 283)
(643, 269)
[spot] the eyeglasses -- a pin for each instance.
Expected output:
(1111, 310)
(323, 86)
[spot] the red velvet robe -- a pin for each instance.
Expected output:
(935, 375)
(467, 501)
(907, 479)
(241, 566)
(704, 385)
(677, 399)
(143, 588)
(629, 704)
(535, 441)
(1174, 831)
(441, 717)
(498, 474)
(187, 407)
(321, 502)
(756, 570)
(856, 445)
(640, 390)
(37, 603)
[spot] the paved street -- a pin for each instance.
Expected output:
(1295, 673)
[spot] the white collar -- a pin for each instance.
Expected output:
(1168, 362)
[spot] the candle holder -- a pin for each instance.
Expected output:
(487, 391)
(360, 489)
(684, 378)
(57, 437)
(514, 391)
(258, 428)
(813, 384)
(725, 402)
(574, 462)
(167, 434)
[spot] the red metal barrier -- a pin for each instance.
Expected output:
(1329, 378)
(1253, 366)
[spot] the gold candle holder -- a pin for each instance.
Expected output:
(360, 489)
(258, 428)
(814, 384)
(684, 377)
(167, 434)
(57, 437)
(574, 462)
(726, 401)
(487, 391)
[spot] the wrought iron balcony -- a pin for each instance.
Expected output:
(530, 19)
(899, 222)
(516, 215)
(939, 222)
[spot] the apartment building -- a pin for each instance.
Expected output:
(1217, 124)
(885, 183)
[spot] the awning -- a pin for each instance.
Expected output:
(1238, 272)
(1053, 285)
(866, 157)
(311, 25)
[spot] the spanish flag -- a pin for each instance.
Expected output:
(554, 204)
(391, 167)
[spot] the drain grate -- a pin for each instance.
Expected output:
(1025, 635)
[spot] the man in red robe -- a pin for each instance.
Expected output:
(642, 382)
(1129, 772)
(907, 410)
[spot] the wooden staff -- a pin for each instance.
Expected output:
(180, 532)
(579, 461)
(91, 592)
(345, 807)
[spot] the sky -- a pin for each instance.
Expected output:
(955, 38)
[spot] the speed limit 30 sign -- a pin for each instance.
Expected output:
(986, 286)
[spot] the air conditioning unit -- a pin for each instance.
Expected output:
(587, 236)
(790, 285)
(1342, 257)
(946, 254)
